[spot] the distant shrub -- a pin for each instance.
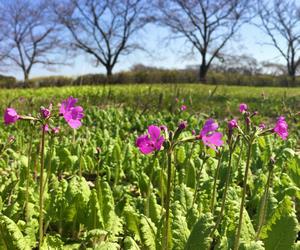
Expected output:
(148, 75)
(47, 81)
(7, 81)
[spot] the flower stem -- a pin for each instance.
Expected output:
(41, 200)
(165, 243)
(237, 238)
(198, 182)
(212, 203)
(28, 178)
(220, 216)
(162, 189)
(262, 210)
(149, 190)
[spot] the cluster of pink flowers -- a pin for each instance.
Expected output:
(71, 113)
(151, 141)
(209, 135)
(183, 107)
(281, 128)
(10, 116)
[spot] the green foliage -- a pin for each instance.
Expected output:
(102, 193)
(180, 230)
(200, 234)
(280, 231)
(11, 236)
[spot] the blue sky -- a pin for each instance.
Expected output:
(163, 53)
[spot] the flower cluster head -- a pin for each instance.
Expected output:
(151, 141)
(183, 107)
(262, 126)
(281, 128)
(209, 136)
(232, 124)
(243, 107)
(71, 113)
(46, 112)
(54, 130)
(182, 125)
(10, 116)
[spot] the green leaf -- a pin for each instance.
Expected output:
(253, 245)
(52, 242)
(199, 237)
(130, 244)
(94, 218)
(180, 155)
(132, 222)
(180, 230)
(11, 236)
(149, 231)
(108, 246)
(111, 221)
(280, 231)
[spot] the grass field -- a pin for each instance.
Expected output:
(197, 96)
(96, 187)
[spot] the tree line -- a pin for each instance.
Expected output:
(49, 32)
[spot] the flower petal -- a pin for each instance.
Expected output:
(214, 140)
(74, 123)
(154, 132)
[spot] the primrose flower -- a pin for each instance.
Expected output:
(10, 116)
(45, 128)
(55, 130)
(243, 107)
(232, 124)
(151, 141)
(182, 125)
(45, 112)
(72, 114)
(213, 140)
(262, 126)
(208, 135)
(209, 126)
(281, 128)
(183, 108)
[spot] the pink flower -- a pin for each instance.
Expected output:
(209, 126)
(208, 135)
(281, 128)
(10, 116)
(55, 130)
(182, 125)
(45, 112)
(72, 114)
(45, 127)
(262, 126)
(213, 140)
(232, 124)
(183, 108)
(151, 141)
(243, 107)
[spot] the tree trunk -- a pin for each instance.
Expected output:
(292, 75)
(202, 73)
(26, 79)
(108, 73)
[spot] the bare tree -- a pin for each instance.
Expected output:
(103, 29)
(206, 24)
(29, 33)
(280, 20)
